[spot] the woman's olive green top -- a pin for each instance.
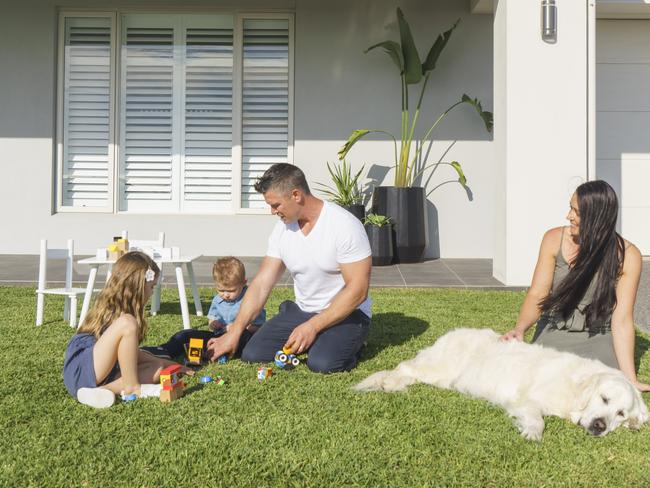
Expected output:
(572, 334)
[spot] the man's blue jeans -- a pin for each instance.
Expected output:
(335, 349)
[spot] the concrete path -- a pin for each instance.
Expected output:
(439, 273)
(476, 274)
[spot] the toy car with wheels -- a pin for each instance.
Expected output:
(285, 360)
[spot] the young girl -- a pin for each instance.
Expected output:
(585, 283)
(103, 358)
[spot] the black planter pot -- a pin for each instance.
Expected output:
(381, 244)
(359, 211)
(406, 208)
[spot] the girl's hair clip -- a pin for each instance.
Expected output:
(149, 275)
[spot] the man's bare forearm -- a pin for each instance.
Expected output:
(344, 303)
(251, 306)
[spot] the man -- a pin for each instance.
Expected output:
(326, 250)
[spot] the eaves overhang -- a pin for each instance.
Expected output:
(604, 8)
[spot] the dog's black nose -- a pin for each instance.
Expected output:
(597, 426)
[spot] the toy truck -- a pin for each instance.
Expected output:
(195, 352)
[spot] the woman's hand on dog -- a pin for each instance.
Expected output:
(641, 386)
(514, 334)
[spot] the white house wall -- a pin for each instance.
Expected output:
(337, 89)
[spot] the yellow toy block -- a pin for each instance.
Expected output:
(114, 252)
(122, 244)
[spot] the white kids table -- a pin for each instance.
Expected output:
(178, 263)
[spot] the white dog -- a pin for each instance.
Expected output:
(527, 380)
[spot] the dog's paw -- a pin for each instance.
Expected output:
(531, 428)
(531, 433)
(529, 424)
(386, 381)
(372, 382)
(396, 382)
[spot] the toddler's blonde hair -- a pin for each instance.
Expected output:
(229, 271)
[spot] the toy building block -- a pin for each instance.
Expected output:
(122, 244)
(170, 377)
(264, 373)
(208, 379)
(285, 360)
(195, 351)
(171, 395)
(172, 386)
(114, 252)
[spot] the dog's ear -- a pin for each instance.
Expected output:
(585, 389)
(639, 414)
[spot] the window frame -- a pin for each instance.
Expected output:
(114, 148)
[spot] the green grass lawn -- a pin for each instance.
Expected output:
(297, 428)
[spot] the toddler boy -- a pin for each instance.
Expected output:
(230, 281)
(229, 277)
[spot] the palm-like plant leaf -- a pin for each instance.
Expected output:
(409, 165)
(486, 116)
(461, 176)
(354, 137)
(436, 49)
(394, 50)
(412, 63)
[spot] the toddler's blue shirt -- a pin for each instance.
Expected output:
(225, 311)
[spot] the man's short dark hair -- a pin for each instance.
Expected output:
(282, 178)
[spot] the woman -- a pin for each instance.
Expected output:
(585, 284)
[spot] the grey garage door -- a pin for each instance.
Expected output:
(623, 121)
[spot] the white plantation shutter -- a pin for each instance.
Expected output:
(176, 113)
(265, 102)
(207, 154)
(157, 135)
(86, 166)
(147, 169)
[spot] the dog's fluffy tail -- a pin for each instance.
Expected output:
(393, 380)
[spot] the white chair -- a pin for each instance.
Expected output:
(151, 247)
(70, 294)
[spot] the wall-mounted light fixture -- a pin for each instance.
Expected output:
(549, 21)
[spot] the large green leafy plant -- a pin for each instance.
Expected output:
(409, 164)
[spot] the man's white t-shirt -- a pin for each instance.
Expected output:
(313, 259)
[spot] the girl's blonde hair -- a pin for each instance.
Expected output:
(123, 293)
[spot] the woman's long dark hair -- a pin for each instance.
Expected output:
(601, 251)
